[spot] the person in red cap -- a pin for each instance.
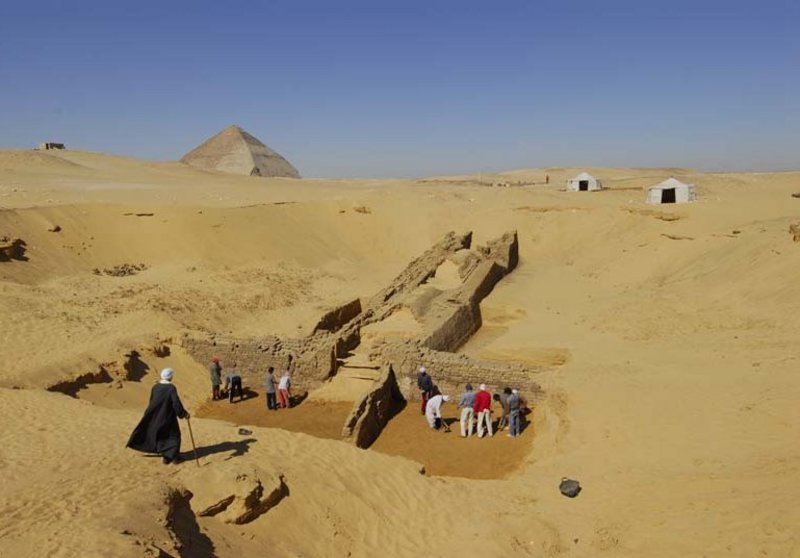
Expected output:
(215, 371)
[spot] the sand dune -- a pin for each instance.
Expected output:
(667, 335)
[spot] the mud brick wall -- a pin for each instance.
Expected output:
(336, 318)
(314, 357)
(451, 372)
(418, 271)
(455, 318)
(452, 325)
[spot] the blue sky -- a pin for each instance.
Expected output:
(413, 88)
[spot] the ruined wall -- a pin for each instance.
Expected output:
(314, 357)
(503, 250)
(420, 270)
(456, 315)
(370, 415)
(448, 321)
(451, 325)
(336, 318)
(451, 372)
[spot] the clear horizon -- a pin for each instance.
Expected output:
(414, 89)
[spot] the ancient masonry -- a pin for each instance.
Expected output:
(448, 318)
(11, 249)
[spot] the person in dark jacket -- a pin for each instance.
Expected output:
(215, 371)
(158, 431)
(425, 385)
(233, 384)
(269, 388)
(502, 398)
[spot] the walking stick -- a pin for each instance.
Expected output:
(191, 436)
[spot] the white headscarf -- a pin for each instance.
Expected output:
(166, 375)
(445, 398)
(482, 387)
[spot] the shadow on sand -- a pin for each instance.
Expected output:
(237, 448)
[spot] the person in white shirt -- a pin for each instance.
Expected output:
(433, 410)
(284, 387)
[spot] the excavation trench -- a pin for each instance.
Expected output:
(406, 435)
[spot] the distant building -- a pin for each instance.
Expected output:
(51, 145)
(584, 182)
(671, 191)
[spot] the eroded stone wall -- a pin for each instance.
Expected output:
(371, 413)
(448, 320)
(451, 371)
(314, 357)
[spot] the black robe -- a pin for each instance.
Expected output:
(158, 431)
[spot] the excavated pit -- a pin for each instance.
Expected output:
(370, 356)
(356, 373)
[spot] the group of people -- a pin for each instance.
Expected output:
(282, 398)
(278, 392)
(158, 431)
(476, 407)
(233, 382)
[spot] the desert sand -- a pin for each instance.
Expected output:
(665, 339)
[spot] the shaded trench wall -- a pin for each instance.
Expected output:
(370, 415)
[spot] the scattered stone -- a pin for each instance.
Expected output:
(122, 270)
(12, 249)
(55, 228)
(245, 431)
(569, 488)
(362, 209)
(243, 495)
(796, 195)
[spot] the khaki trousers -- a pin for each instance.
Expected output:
(484, 416)
(467, 414)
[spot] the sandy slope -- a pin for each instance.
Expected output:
(670, 333)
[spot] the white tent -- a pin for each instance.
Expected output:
(584, 182)
(671, 191)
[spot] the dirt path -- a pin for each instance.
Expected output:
(407, 435)
(323, 419)
(448, 454)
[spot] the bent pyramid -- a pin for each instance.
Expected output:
(235, 151)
